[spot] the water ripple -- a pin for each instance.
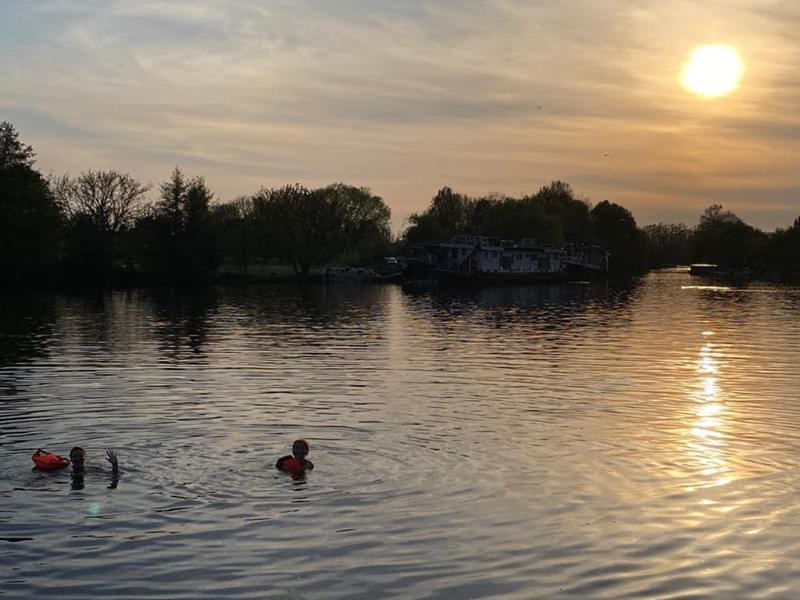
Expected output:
(544, 441)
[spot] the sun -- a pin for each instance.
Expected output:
(713, 70)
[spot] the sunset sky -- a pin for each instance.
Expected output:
(405, 96)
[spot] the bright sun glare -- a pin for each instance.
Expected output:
(713, 71)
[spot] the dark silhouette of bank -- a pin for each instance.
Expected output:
(100, 229)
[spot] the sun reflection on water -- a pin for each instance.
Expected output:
(707, 431)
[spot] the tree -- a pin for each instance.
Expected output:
(451, 210)
(30, 219)
(303, 223)
(106, 199)
(312, 227)
(616, 232)
(363, 219)
(567, 215)
(172, 201)
(101, 207)
(783, 253)
(722, 237)
(177, 240)
(12, 151)
(509, 218)
(554, 215)
(449, 214)
(236, 228)
(668, 245)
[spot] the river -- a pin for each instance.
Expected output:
(570, 441)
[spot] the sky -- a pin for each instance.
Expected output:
(406, 96)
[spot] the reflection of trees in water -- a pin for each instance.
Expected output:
(516, 342)
(27, 324)
(309, 305)
(305, 324)
(789, 301)
(181, 319)
(104, 319)
(551, 303)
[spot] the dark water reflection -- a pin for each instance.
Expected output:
(544, 441)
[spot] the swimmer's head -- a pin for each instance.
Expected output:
(300, 448)
(78, 457)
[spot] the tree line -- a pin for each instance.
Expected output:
(100, 227)
(722, 238)
(555, 215)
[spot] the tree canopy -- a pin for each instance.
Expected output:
(30, 219)
(12, 151)
(312, 227)
(175, 237)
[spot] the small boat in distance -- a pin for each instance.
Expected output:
(705, 270)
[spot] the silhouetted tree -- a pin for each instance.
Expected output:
(176, 237)
(509, 218)
(554, 215)
(171, 205)
(106, 199)
(101, 207)
(12, 151)
(312, 227)
(783, 254)
(722, 237)
(362, 218)
(237, 232)
(449, 214)
(567, 216)
(30, 219)
(668, 245)
(615, 231)
(303, 223)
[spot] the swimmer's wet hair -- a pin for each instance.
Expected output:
(300, 444)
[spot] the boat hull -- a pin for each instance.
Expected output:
(497, 278)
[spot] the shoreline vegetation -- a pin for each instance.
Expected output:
(106, 229)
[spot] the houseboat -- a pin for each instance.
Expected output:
(484, 259)
(585, 261)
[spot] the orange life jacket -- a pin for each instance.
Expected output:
(290, 464)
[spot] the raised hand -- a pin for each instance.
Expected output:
(111, 456)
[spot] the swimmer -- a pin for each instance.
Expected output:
(296, 464)
(77, 457)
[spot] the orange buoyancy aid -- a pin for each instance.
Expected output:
(290, 464)
(47, 461)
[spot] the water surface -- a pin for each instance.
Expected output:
(545, 441)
